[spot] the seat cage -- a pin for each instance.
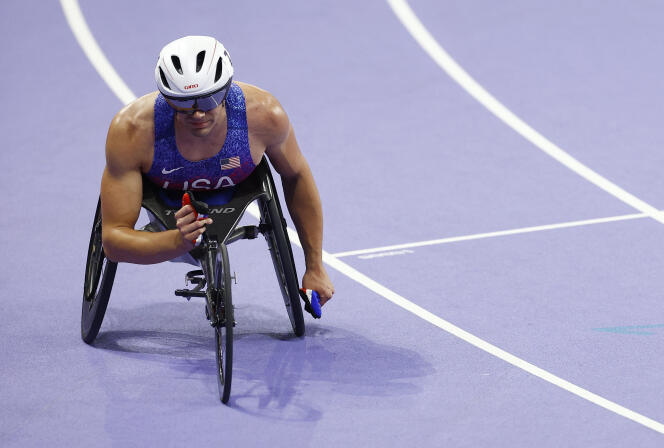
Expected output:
(225, 217)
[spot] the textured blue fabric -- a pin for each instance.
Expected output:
(171, 171)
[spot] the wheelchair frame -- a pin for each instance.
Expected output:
(212, 255)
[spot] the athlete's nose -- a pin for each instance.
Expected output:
(198, 114)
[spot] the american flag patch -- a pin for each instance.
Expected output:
(229, 164)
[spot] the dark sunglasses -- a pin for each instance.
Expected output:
(203, 103)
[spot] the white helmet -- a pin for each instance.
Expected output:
(194, 67)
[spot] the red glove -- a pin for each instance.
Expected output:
(188, 199)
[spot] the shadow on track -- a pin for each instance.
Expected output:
(276, 375)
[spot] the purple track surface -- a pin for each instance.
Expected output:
(401, 154)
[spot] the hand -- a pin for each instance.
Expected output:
(318, 280)
(189, 227)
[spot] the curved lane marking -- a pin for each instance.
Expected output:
(89, 45)
(461, 77)
(77, 23)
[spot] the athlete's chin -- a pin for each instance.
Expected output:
(201, 130)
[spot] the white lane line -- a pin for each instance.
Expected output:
(458, 74)
(407, 305)
(89, 45)
(390, 253)
(490, 348)
(478, 236)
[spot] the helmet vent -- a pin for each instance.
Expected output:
(199, 61)
(176, 64)
(217, 74)
(163, 78)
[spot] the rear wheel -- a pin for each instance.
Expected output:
(282, 259)
(221, 289)
(99, 276)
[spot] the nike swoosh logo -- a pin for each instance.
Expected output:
(165, 171)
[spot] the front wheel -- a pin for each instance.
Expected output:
(221, 289)
(99, 276)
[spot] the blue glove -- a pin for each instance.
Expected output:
(311, 302)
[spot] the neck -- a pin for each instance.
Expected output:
(197, 143)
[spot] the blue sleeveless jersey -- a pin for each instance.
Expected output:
(218, 174)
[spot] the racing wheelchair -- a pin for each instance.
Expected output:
(213, 281)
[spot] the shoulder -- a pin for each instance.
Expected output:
(131, 133)
(266, 117)
(134, 122)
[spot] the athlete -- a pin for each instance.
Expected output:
(202, 131)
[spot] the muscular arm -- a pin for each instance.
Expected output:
(301, 197)
(302, 200)
(121, 194)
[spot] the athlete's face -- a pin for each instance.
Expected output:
(200, 123)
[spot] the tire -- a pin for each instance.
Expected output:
(224, 329)
(98, 282)
(282, 259)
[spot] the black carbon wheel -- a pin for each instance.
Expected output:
(282, 259)
(224, 329)
(99, 276)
